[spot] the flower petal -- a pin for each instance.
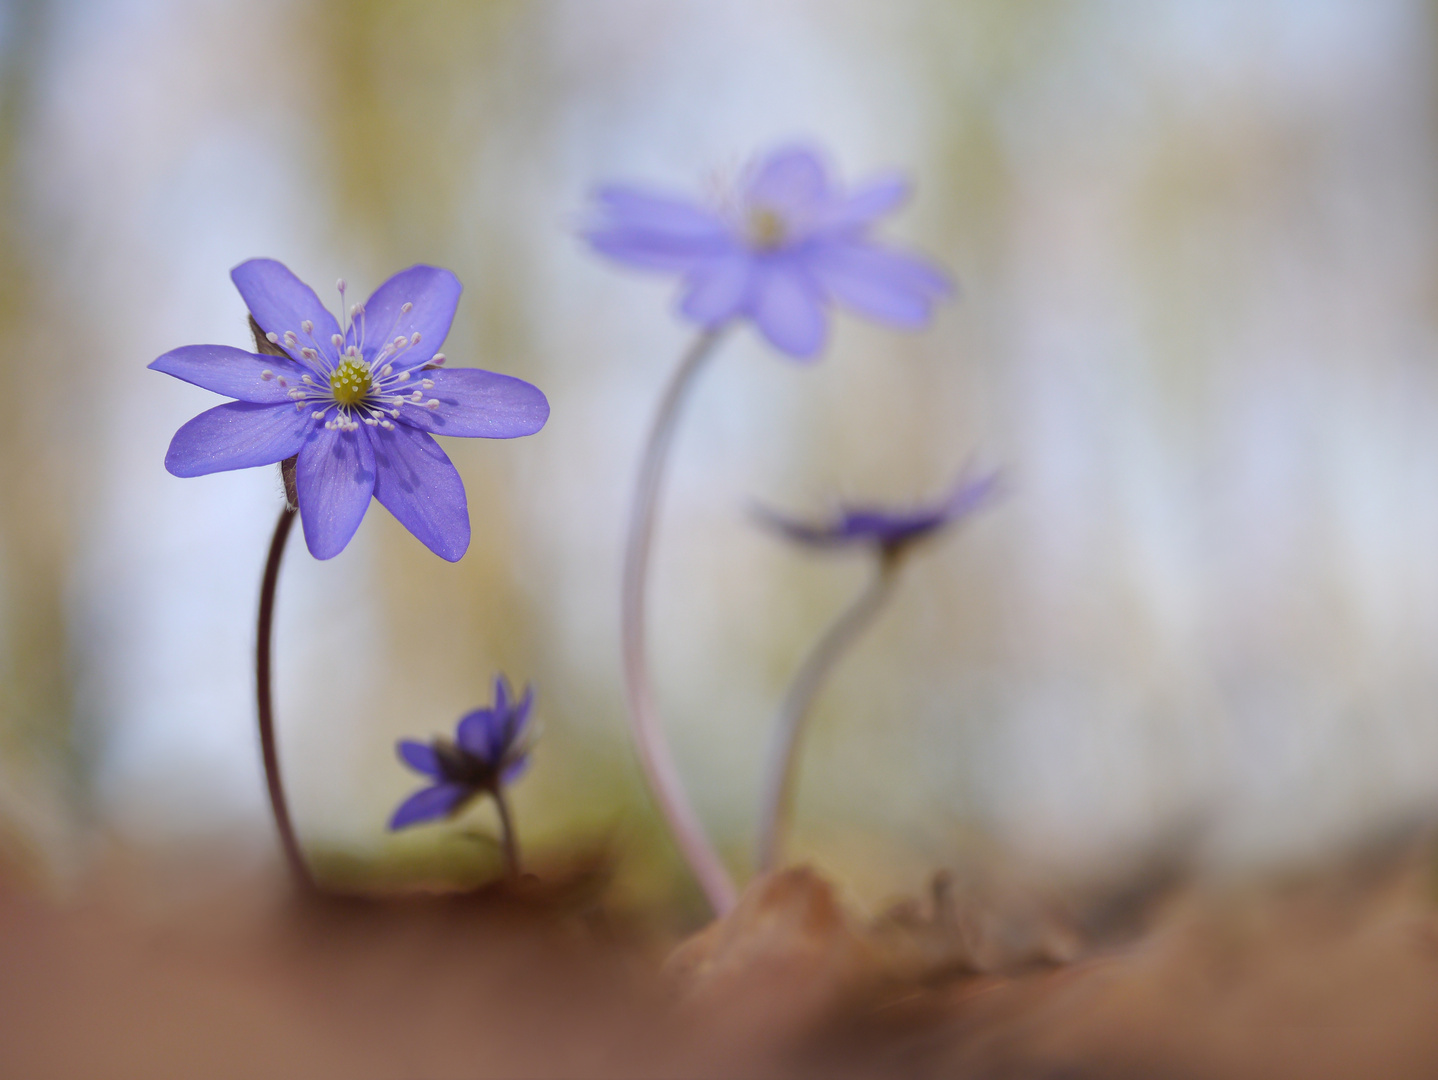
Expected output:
(335, 477)
(237, 435)
(789, 178)
(232, 372)
(416, 482)
(718, 289)
(501, 694)
(431, 803)
(434, 294)
(475, 733)
(479, 404)
(279, 301)
(649, 212)
(650, 250)
(869, 202)
(884, 285)
(418, 756)
(514, 770)
(789, 310)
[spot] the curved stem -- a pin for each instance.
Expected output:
(508, 836)
(298, 869)
(783, 752)
(653, 747)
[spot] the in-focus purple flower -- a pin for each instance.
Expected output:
(889, 531)
(489, 749)
(779, 250)
(358, 404)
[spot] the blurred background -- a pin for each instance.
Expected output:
(1198, 333)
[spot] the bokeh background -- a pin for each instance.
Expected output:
(1198, 332)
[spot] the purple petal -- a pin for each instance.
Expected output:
(789, 310)
(279, 301)
(429, 804)
(718, 289)
(971, 494)
(479, 404)
(418, 756)
(476, 732)
(649, 250)
(869, 202)
(514, 770)
(800, 531)
(434, 294)
(335, 477)
(644, 211)
(232, 372)
(415, 482)
(237, 435)
(501, 694)
(792, 177)
(884, 285)
(522, 711)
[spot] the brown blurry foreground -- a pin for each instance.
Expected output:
(1329, 973)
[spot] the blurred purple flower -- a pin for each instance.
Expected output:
(787, 243)
(488, 750)
(889, 531)
(357, 404)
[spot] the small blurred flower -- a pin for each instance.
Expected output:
(787, 243)
(357, 404)
(488, 750)
(889, 531)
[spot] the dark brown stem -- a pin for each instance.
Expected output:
(298, 868)
(508, 835)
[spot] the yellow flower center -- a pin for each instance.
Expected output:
(351, 382)
(766, 228)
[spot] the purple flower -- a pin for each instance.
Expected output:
(778, 251)
(358, 404)
(889, 531)
(488, 749)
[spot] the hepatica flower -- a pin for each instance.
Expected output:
(787, 243)
(488, 751)
(358, 404)
(889, 531)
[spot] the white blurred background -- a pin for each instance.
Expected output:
(1198, 332)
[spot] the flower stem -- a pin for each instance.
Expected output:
(649, 739)
(507, 834)
(783, 752)
(298, 869)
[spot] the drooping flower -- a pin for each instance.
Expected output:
(889, 531)
(358, 404)
(778, 251)
(489, 750)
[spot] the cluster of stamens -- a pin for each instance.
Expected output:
(360, 391)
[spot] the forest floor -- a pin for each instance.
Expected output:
(1328, 973)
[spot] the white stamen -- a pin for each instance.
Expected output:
(272, 338)
(309, 354)
(414, 338)
(432, 404)
(336, 340)
(307, 379)
(438, 359)
(307, 326)
(290, 338)
(340, 285)
(355, 310)
(416, 396)
(297, 394)
(400, 342)
(386, 425)
(388, 368)
(428, 384)
(282, 381)
(406, 308)
(267, 374)
(317, 415)
(403, 377)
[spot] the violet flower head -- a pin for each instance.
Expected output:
(357, 403)
(489, 749)
(781, 248)
(889, 531)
